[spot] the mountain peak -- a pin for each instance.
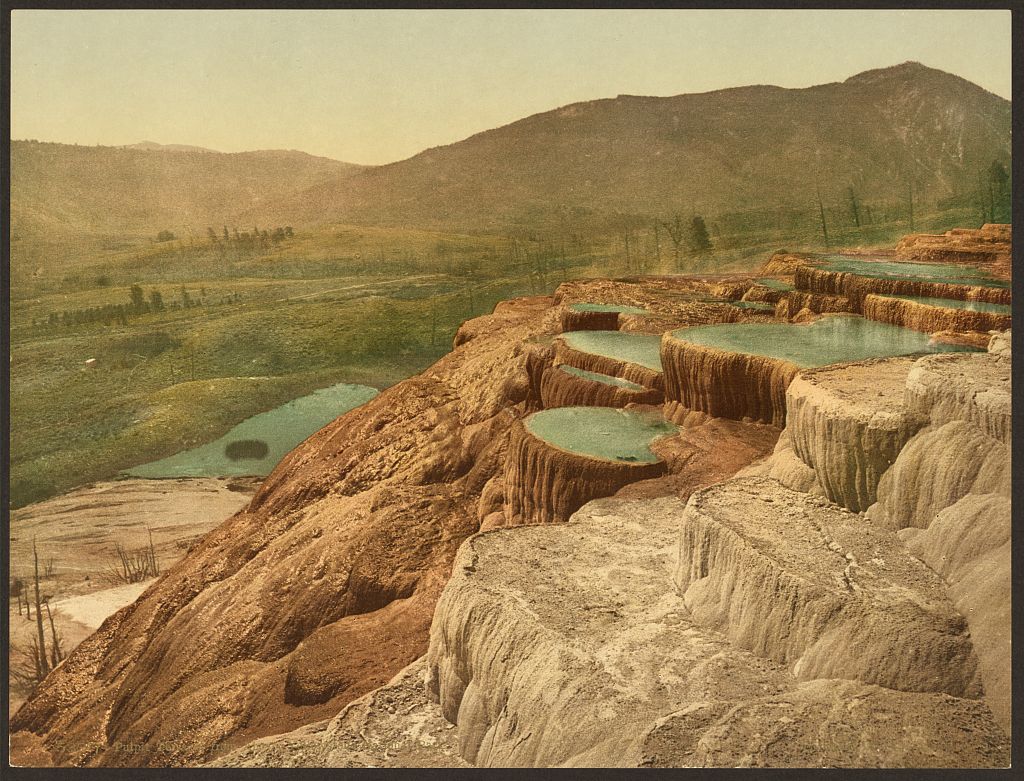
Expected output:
(908, 69)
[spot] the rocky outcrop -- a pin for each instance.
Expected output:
(562, 388)
(856, 288)
(1000, 345)
(975, 388)
(545, 484)
(809, 585)
(928, 318)
(964, 450)
(725, 384)
(592, 662)
(968, 543)
(602, 364)
(948, 494)
(318, 592)
(938, 467)
(848, 423)
(786, 467)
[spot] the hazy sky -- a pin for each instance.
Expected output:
(378, 86)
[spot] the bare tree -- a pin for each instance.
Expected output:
(854, 206)
(676, 230)
(134, 565)
(821, 211)
(42, 665)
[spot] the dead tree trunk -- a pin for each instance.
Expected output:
(44, 666)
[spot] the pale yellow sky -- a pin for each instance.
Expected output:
(378, 86)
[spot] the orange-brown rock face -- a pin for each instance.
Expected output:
(322, 589)
(784, 264)
(795, 301)
(544, 484)
(768, 295)
(573, 320)
(726, 384)
(990, 246)
(601, 364)
(561, 388)
(857, 288)
(930, 319)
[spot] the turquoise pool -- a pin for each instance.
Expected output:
(256, 445)
(774, 284)
(641, 349)
(601, 432)
(621, 308)
(920, 272)
(831, 339)
(604, 378)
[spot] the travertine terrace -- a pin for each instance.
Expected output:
(810, 569)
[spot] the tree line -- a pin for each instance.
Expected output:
(139, 303)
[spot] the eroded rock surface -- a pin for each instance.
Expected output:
(396, 725)
(569, 665)
(830, 724)
(848, 423)
(812, 586)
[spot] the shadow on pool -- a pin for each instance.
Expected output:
(246, 449)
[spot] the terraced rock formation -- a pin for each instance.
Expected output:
(588, 316)
(366, 608)
(726, 384)
(797, 302)
(848, 423)
(797, 580)
(566, 386)
(856, 288)
(988, 246)
(546, 482)
(597, 662)
(626, 356)
(929, 317)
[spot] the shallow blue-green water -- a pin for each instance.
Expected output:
(774, 284)
(921, 272)
(256, 445)
(952, 303)
(763, 306)
(604, 378)
(601, 432)
(831, 339)
(641, 349)
(622, 308)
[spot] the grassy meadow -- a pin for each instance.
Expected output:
(239, 326)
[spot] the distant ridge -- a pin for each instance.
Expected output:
(153, 146)
(61, 190)
(742, 148)
(731, 150)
